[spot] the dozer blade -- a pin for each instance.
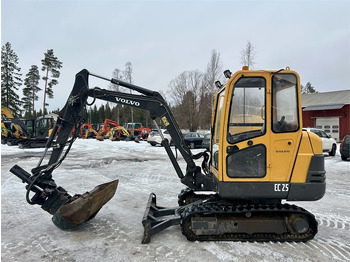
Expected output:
(157, 219)
(82, 208)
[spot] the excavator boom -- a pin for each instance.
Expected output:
(71, 211)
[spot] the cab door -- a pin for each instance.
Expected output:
(285, 125)
(262, 131)
(245, 154)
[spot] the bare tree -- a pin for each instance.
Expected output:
(128, 73)
(248, 55)
(186, 92)
(117, 74)
(128, 79)
(126, 76)
(214, 70)
(212, 74)
(193, 94)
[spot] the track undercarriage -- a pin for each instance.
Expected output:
(214, 219)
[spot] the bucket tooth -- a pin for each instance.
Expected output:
(82, 208)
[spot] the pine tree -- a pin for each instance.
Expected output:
(40, 113)
(101, 114)
(30, 91)
(108, 112)
(10, 80)
(50, 65)
(94, 115)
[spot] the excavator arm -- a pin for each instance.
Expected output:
(71, 211)
(154, 103)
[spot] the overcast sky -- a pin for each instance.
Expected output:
(164, 38)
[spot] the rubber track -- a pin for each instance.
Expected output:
(218, 209)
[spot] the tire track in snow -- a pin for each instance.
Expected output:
(331, 249)
(218, 252)
(333, 222)
(328, 247)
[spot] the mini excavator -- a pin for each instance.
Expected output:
(26, 133)
(259, 158)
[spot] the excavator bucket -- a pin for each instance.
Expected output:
(82, 208)
(68, 211)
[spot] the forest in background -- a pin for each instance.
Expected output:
(192, 92)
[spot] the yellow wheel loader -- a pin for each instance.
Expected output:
(258, 158)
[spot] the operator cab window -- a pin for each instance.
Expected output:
(284, 103)
(247, 112)
(217, 127)
(247, 121)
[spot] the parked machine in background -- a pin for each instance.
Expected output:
(37, 130)
(10, 132)
(118, 133)
(136, 130)
(258, 157)
(26, 133)
(105, 130)
(87, 131)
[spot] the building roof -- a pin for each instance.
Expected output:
(329, 100)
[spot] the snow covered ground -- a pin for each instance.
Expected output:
(27, 233)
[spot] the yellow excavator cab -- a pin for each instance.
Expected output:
(256, 138)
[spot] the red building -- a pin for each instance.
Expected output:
(329, 111)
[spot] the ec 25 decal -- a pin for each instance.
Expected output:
(281, 187)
